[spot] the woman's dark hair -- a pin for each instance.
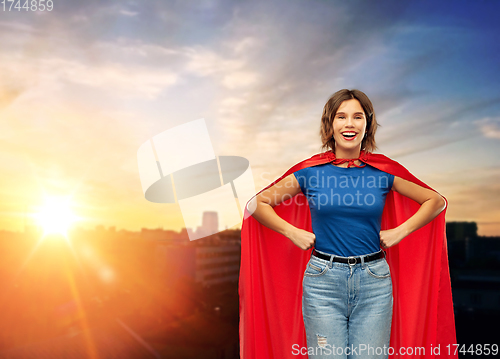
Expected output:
(331, 108)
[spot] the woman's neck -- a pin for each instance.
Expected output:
(342, 153)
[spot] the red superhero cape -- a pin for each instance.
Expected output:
(272, 268)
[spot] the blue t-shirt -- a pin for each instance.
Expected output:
(346, 206)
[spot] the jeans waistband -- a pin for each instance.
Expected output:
(349, 260)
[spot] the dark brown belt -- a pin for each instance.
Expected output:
(349, 260)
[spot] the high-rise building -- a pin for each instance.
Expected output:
(210, 222)
(208, 265)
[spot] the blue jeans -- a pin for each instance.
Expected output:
(347, 309)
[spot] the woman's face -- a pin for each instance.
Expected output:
(349, 126)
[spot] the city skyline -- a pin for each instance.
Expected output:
(84, 85)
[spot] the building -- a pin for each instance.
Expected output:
(208, 265)
(217, 264)
(477, 292)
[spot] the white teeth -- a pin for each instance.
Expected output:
(349, 133)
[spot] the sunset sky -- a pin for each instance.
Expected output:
(83, 86)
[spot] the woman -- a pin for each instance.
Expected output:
(347, 291)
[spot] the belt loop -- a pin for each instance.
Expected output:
(362, 262)
(331, 260)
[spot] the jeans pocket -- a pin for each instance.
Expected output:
(315, 268)
(378, 268)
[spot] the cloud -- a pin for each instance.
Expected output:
(275, 50)
(473, 194)
(240, 79)
(9, 92)
(205, 62)
(120, 71)
(260, 70)
(128, 12)
(129, 81)
(120, 80)
(436, 124)
(490, 127)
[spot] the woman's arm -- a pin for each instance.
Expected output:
(431, 204)
(264, 213)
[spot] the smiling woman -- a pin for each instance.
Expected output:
(55, 216)
(345, 282)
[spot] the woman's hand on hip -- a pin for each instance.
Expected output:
(302, 239)
(391, 237)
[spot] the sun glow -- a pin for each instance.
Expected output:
(55, 216)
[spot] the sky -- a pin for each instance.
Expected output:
(84, 85)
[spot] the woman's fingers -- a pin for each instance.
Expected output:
(303, 239)
(310, 242)
(391, 237)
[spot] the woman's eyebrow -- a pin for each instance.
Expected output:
(343, 113)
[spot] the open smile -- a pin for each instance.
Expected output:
(349, 135)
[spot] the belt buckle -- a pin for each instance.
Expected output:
(349, 261)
